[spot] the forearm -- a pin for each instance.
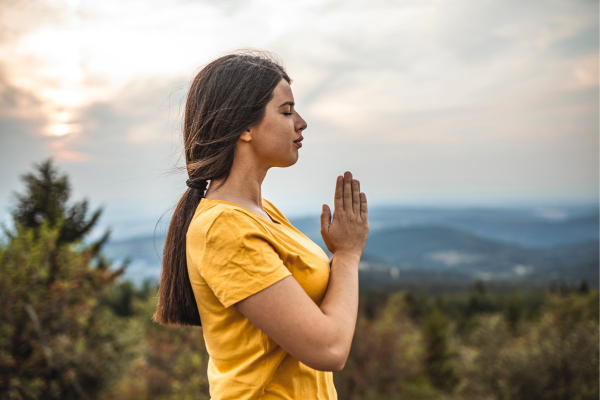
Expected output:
(340, 304)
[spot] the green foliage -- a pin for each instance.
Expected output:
(464, 310)
(552, 352)
(386, 355)
(419, 389)
(56, 341)
(170, 362)
(512, 313)
(439, 358)
(479, 287)
(46, 201)
(556, 358)
(584, 287)
(123, 296)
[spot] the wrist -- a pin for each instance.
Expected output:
(346, 255)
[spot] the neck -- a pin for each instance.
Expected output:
(242, 187)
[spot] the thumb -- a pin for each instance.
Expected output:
(325, 217)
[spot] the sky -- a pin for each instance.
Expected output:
(428, 103)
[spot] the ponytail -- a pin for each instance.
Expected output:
(176, 301)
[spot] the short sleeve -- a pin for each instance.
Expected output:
(238, 259)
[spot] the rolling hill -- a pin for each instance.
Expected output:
(441, 245)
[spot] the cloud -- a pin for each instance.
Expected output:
(427, 101)
(19, 20)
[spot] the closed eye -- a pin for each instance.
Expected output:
(287, 114)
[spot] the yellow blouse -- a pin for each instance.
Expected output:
(233, 253)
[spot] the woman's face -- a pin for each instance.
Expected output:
(272, 140)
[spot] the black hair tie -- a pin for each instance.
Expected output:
(198, 184)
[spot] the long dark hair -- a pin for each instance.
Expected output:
(227, 96)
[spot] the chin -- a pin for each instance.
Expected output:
(288, 162)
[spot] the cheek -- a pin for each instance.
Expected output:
(280, 130)
(277, 143)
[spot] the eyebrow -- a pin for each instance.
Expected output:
(287, 103)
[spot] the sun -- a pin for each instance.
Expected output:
(60, 129)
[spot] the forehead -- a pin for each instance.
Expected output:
(282, 92)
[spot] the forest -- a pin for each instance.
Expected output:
(73, 328)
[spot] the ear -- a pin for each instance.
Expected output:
(247, 135)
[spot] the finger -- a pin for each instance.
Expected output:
(363, 207)
(325, 218)
(347, 191)
(338, 198)
(355, 197)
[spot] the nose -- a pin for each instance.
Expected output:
(301, 125)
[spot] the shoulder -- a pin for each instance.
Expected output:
(235, 218)
(223, 221)
(222, 234)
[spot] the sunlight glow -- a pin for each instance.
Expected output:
(60, 129)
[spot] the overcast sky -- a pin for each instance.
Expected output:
(488, 102)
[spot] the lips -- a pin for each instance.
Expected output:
(299, 141)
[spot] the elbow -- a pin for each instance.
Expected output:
(337, 360)
(337, 351)
(337, 366)
(328, 351)
(331, 359)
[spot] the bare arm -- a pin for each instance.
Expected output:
(319, 337)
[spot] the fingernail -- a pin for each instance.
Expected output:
(340, 178)
(354, 182)
(324, 207)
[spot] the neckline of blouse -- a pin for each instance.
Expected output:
(237, 205)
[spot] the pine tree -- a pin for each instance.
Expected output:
(479, 286)
(512, 313)
(57, 339)
(46, 199)
(439, 358)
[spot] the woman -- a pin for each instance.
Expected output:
(277, 315)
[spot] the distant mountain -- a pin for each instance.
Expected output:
(533, 232)
(442, 248)
(522, 227)
(429, 251)
(568, 273)
(442, 245)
